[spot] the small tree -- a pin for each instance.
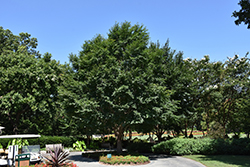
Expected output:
(116, 90)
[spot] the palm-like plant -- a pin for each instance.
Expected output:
(57, 157)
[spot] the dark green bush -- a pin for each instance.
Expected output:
(232, 146)
(204, 146)
(140, 147)
(93, 145)
(4, 142)
(43, 140)
(136, 140)
(179, 146)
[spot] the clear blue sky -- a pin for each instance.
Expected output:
(196, 27)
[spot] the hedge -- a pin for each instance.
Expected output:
(43, 140)
(204, 146)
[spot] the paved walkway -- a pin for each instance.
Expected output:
(155, 160)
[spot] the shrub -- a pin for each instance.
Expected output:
(140, 147)
(136, 140)
(43, 140)
(118, 159)
(204, 146)
(57, 157)
(19, 142)
(79, 145)
(5, 142)
(93, 145)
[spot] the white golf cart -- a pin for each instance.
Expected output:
(32, 150)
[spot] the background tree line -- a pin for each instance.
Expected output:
(120, 83)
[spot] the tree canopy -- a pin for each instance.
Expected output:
(243, 15)
(28, 84)
(117, 83)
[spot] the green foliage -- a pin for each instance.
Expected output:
(113, 86)
(221, 160)
(216, 131)
(140, 147)
(79, 145)
(21, 43)
(1, 146)
(43, 140)
(57, 157)
(118, 83)
(136, 140)
(48, 165)
(110, 139)
(243, 15)
(4, 142)
(204, 146)
(19, 142)
(93, 145)
(116, 160)
(29, 86)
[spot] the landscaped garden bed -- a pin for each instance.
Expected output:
(61, 165)
(121, 160)
(113, 158)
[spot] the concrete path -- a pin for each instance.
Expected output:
(155, 160)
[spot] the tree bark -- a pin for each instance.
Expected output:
(130, 134)
(88, 139)
(119, 144)
(119, 135)
(186, 135)
(159, 132)
(191, 133)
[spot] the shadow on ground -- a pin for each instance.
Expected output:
(79, 157)
(157, 156)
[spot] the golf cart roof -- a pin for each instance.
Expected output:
(19, 136)
(1, 127)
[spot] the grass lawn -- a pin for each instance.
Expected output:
(221, 160)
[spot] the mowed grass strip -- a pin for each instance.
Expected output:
(222, 160)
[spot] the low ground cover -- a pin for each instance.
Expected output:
(117, 158)
(221, 160)
(128, 159)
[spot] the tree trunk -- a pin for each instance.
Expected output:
(186, 129)
(159, 132)
(207, 126)
(159, 137)
(173, 133)
(224, 130)
(130, 134)
(191, 133)
(119, 143)
(88, 139)
(119, 135)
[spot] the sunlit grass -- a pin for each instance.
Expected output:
(221, 160)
